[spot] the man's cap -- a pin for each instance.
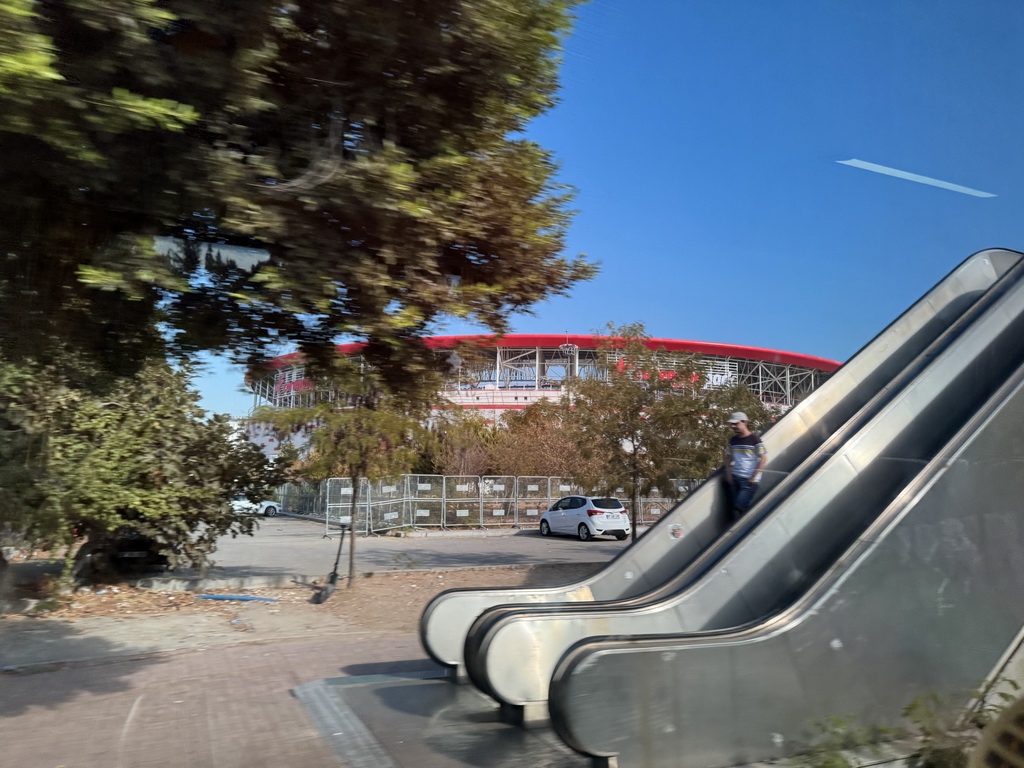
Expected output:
(738, 416)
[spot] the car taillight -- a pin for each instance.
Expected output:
(592, 512)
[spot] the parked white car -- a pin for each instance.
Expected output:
(586, 517)
(242, 506)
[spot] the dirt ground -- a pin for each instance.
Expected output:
(382, 602)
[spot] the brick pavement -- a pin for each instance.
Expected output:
(225, 707)
(189, 691)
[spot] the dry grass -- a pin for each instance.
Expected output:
(390, 602)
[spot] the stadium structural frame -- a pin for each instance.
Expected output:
(493, 374)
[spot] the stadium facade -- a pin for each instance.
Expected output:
(512, 372)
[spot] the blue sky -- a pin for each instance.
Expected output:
(703, 137)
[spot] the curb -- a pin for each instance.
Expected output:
(420, 533)
(448, 533)
(292, 579)
(19, 605)
(438, 532)
(184, 584)
(25, 605)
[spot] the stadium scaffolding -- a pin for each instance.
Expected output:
(514, 371)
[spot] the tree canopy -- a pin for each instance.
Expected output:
(539, 441)
(463, 444)
(372, 153)
(364, 430)
(141, 458)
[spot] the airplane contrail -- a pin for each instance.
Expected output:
(875, 168)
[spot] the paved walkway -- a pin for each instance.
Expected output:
(191, 690)
(227, 707)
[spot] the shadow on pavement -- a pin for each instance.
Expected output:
(397, 668)
(50, 684)
(414, 558)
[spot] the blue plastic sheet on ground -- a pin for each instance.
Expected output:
(237, 597)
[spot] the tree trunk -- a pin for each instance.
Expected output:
(636, 501)
(352, 532)
(636, 510)
(6, 578)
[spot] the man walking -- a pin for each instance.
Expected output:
(744, 460)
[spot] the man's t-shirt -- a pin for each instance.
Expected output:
(746, 453)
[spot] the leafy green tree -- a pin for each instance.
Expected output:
(363, 430)
(633, 425)
(371, 151)
(141, 459)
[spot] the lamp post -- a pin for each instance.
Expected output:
(570, 351)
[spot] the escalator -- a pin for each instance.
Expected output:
(895, 572)
(810, 431)
(794, 532)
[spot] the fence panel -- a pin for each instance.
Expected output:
(389, 515)
(559, 487)
(462, 501)
(388, 509)
(426, 500)
(653, 507)
(532, 498)
(498, 501)
(339, 503)
(301, 499)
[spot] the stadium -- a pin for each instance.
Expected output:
(511, 372)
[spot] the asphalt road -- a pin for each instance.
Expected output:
(290, 545)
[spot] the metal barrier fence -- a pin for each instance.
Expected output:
(450, 502)
(337, 506)
(301, 498)
(426, 500)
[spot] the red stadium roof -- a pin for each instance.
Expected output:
(552, 340)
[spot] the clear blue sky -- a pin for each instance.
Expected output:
(703, 138)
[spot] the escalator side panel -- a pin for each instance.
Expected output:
(927, 601)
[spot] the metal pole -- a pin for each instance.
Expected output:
(325, 507)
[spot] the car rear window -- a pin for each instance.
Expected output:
(607, 503)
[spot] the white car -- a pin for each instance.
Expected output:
(242, 506)
(586, 517)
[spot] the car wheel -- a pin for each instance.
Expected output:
(620, 535)
(584, 533)
(545, 529)
(269, 511)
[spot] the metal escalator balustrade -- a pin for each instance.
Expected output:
(512, 650)
(925, 599)
(801, 535)
(654, 559)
